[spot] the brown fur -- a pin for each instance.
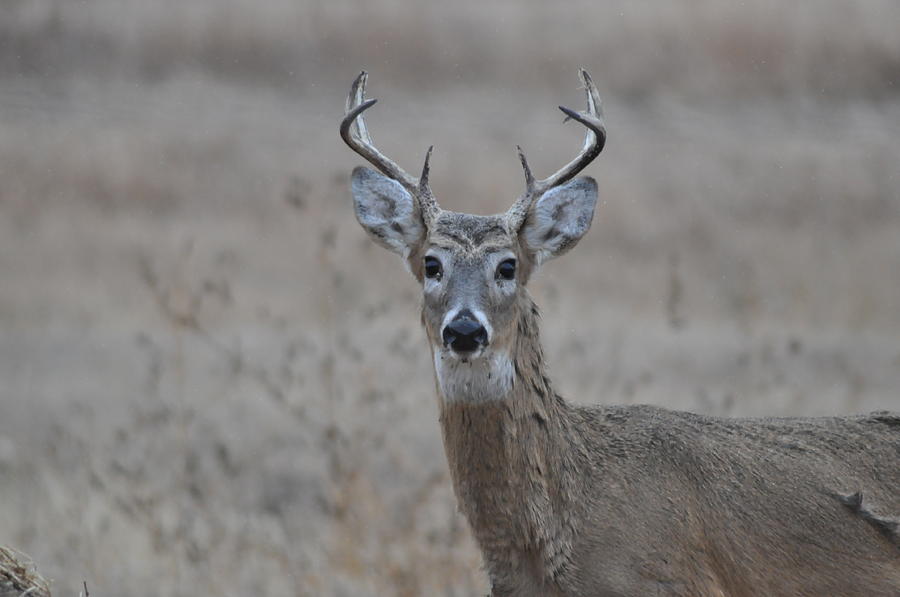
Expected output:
(566, 500)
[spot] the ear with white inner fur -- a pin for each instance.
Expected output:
(559, 219)
(386, 211)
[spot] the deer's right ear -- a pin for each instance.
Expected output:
(387, 211)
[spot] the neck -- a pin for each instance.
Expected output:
(507, 438)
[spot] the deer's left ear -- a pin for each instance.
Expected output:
(558, 220)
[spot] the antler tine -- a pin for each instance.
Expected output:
(529, 177)
(356, 135)
(594, 140)
(428, 204)
(356, 97)
(426, 170)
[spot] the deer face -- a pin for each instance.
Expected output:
(472, 272)
(473, 269)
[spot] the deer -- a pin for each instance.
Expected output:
(614, 501)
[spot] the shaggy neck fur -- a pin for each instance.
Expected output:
(510, 458)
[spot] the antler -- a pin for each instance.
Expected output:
(594, 140)
(356, 135)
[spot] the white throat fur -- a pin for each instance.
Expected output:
(483, 379)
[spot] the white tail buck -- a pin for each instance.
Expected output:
(615, 500)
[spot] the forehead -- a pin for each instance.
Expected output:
(470, 233)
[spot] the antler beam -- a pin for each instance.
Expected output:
(355, 134)
(594, 140)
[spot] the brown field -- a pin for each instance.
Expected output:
(212, 383)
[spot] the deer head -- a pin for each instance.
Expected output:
(473, 269)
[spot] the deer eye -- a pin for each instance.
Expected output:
(433, 268)
(506, 269)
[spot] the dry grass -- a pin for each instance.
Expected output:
(19, 576)
(692, 48)
(212, 382)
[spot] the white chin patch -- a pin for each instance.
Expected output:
(483, 379)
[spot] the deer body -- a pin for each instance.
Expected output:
(569, 500)
(566, 500)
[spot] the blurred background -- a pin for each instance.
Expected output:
(212, 382)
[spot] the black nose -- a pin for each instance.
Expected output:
(464, 333)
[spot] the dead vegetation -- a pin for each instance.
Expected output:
(19, 576)
(692, 48)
